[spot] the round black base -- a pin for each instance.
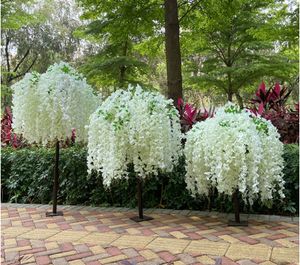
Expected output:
(51, 214)
(234, 223)
(138, 219)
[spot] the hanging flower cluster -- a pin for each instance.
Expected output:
(235, 150)
(133, 127)
(49, 106)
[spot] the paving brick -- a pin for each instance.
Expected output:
(113, 259)
(68, 236)
(178, 262)
(76, 262)
(93, 263)
(59, 261)
(97, 249)
(286, 243)
(99, 238)
(132, 241)
(63, 254)
(167, 256)
(246, 262)
(267, 263)
(238, 252)
(206, 260)
(28, 259)
(148, 254)
(17, 249)
(172, 245)
(51, 245)
(43, 260)
(285, 255)
(79, 256)
(187, 259)
(207, 247)
(39, 234)
(113, 251)
(13, 232)
(130, 252)
(229, 239)
(248, 240)
(227, 261)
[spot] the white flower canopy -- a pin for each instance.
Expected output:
(47, 107)
(235, 150)
(133, 127)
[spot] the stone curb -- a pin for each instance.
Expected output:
(258, 217)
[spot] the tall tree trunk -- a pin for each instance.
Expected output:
(239, 99)
(173, 56)
(123, 67)
(230, 88)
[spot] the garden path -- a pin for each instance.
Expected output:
(90, 235)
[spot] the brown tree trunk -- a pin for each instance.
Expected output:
(229, 89)
(239, 99)
(123, 67)
(173, 56)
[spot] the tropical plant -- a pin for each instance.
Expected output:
(8, 138)
(271, 104)
(189, 115)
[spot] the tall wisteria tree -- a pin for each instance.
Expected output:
(46, 108)
(134, 128)
(238, 153)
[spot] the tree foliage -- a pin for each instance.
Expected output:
(231, 44)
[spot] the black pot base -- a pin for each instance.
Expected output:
(138, 219)
(51, 214)
(234, 223)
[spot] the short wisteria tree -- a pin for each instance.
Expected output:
(236, 152)
(46, 108)
(134, 128)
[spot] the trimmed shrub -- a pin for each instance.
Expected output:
(27, 176)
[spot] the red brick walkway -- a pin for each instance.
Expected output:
(86, 235)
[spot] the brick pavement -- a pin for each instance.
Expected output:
(90, 235)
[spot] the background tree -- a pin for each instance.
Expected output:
(42, 35)
(117, 26)
(228, 45)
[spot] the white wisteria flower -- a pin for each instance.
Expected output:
(47, 107)
(235, 150)
(133, 127)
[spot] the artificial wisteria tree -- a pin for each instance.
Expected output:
(238, 153)
(137, 128)
(47, 107)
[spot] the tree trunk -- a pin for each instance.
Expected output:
(173, 56)
(123, 67)
(229, 89)
(239, 99)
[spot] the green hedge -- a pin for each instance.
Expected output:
(27, 178)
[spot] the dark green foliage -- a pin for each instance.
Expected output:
(27, 178)
(291, 173)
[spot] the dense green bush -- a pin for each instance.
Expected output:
(27, 178)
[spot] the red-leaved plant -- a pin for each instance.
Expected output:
(189, 115)
(8, 138)
(270, 104)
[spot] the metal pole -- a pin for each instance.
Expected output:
(139, 197)
(139, 192)
(55, 184)
(236, 205)
(56, 174)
